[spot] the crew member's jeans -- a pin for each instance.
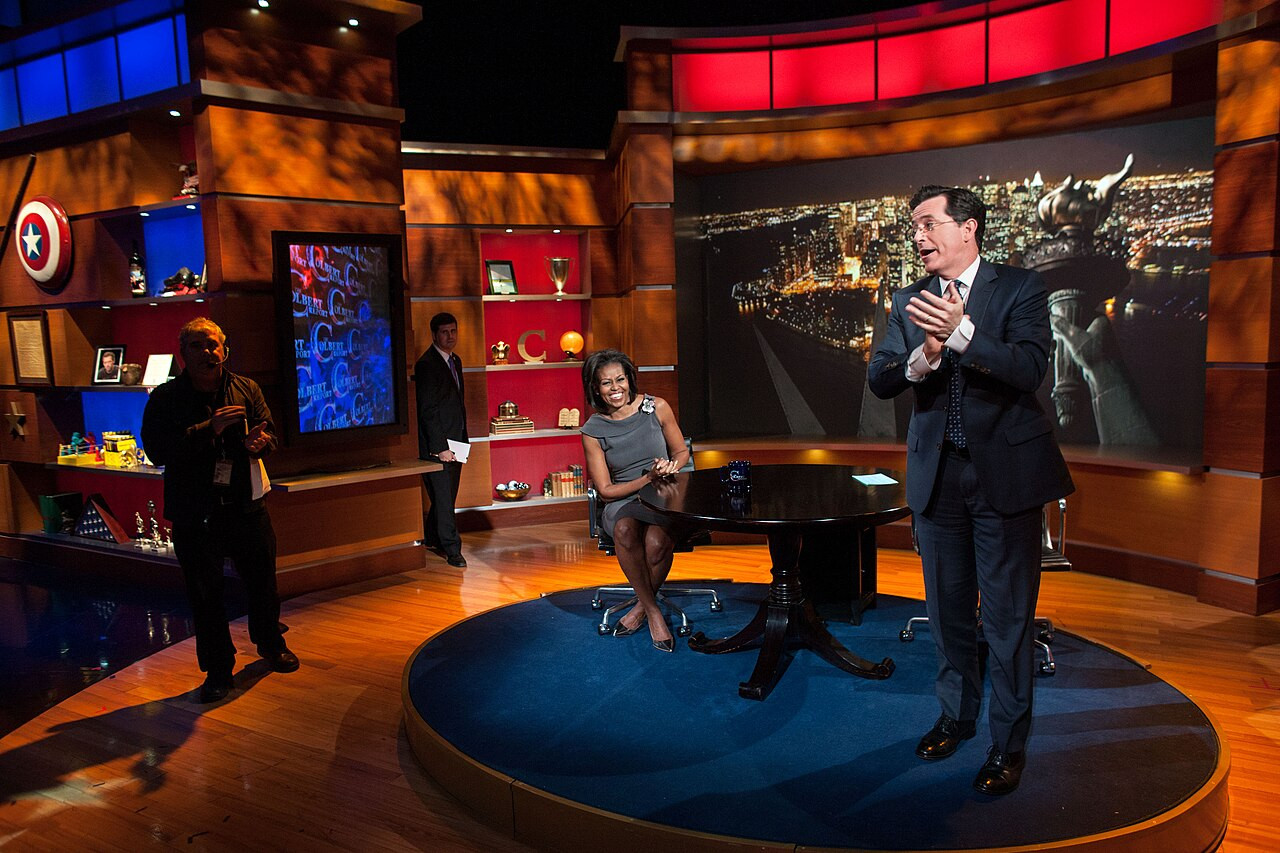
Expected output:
(248, 539)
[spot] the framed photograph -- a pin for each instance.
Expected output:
(106, 365)
(502, 277)
(29, 337)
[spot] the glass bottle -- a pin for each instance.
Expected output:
(137, 273)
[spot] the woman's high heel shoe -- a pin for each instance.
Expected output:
(667, 645)
(621, 630)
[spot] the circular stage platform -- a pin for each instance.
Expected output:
(566, 739)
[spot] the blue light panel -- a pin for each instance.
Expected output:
(120, 411)
(42, 89)
(184, 61)
(8, 99)
(173, 237)
(92, 79)
(148, 62)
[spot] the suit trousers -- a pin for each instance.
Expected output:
(441, 529)
(967, 550)
(201, 548)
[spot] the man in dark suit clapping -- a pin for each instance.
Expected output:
(442, 416)
(971, 341)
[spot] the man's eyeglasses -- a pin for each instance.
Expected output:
(914, 228)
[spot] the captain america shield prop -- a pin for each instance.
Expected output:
(44, 242)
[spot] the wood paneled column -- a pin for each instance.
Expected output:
(1242, 379)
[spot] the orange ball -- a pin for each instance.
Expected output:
(572, 342)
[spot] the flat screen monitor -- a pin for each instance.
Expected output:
(340, 312)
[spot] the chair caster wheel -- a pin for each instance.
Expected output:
(717, 606)
(596, 604)
(603, 630)
(906, 636)
(1046, 637)
(684, 631)
(1047, 668)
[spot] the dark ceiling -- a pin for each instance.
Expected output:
(542, 73)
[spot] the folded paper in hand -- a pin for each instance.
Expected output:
(461, 450)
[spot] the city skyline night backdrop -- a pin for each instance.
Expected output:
(797, 260)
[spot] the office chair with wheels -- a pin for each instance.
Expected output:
(595, 507)
(1052, 559)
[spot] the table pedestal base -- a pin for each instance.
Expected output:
(786, 619)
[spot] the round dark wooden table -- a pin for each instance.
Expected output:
(786, 502)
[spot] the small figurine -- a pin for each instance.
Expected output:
(139, 542)
(190, 181)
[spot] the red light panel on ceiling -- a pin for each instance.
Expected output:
(707, 82)
(830, 74)
(1138, 23)
(933, 61)
(1047, 38)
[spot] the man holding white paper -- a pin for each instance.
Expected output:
(210, 429)
(442, 434)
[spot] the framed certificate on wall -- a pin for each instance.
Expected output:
(29, 338)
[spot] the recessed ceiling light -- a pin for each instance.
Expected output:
(176, 113)
(353, 22)
(264, 4)
(144, 213)
(510, 230)
(191, 207)
(555, 230)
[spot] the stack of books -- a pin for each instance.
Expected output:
(567, 484)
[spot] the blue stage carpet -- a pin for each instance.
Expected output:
(530, 691)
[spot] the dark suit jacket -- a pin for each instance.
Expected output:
(442, 414)
(1010, 439)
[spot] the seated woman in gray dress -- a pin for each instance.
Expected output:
(633, 439)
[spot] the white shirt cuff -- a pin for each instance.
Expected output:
(959, 340)
(918, 367)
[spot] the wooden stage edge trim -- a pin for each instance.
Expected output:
(547, 821)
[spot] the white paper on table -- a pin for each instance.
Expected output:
(461, 450)
(159, 366)
(874, 479)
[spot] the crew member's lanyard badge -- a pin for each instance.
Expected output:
(222, 468)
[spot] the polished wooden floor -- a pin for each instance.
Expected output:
(317, 759)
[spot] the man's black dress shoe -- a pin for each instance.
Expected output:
(216, 687)
(943, 738)
(457, 561)
(282, 660)
(1002, 772)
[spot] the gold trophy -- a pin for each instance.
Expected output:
(559, 269)
(500, 351)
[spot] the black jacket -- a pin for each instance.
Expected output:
(1010, 438)
(442, 414)
(177, 433)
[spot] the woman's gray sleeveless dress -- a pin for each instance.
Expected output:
(630, 446)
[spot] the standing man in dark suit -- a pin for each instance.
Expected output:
(442, 416)
(971, 340)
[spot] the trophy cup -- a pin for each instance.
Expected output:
(559, 269)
